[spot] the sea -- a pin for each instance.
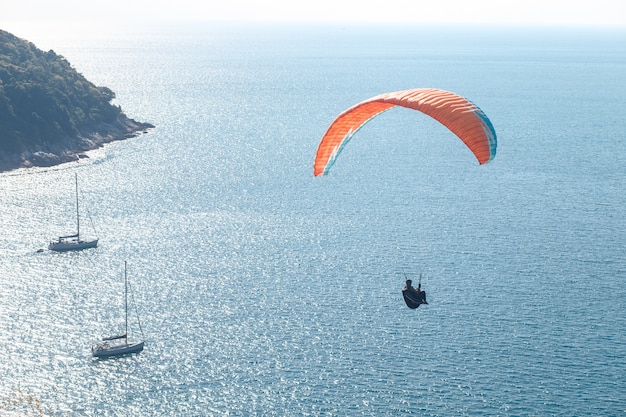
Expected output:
(262, 290)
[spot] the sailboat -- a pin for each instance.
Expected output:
(119, 345)
(73, 242)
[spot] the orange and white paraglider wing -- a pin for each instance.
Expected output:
(341, 131)
(458, 114)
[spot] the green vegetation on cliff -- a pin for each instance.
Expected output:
(49, 113)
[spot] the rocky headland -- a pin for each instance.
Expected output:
(49, 113)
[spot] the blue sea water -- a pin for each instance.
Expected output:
(263, 290)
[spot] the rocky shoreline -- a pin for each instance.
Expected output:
(72, 149)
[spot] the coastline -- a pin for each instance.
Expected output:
(74, 148)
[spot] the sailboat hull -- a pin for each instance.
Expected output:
(106, 350)
(70, 245)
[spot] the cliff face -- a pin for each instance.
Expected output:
(49, 113)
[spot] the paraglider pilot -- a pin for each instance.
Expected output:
(416, 294)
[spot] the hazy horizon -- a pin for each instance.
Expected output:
(529, 12)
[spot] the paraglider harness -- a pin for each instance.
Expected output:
(414, 297)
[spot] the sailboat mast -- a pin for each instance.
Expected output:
(77, 212)
(125, 303)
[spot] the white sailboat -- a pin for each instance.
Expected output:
(119, 345)
(73, 242)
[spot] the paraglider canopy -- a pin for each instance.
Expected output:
(458, 114)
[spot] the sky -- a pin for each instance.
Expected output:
(496, 12)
